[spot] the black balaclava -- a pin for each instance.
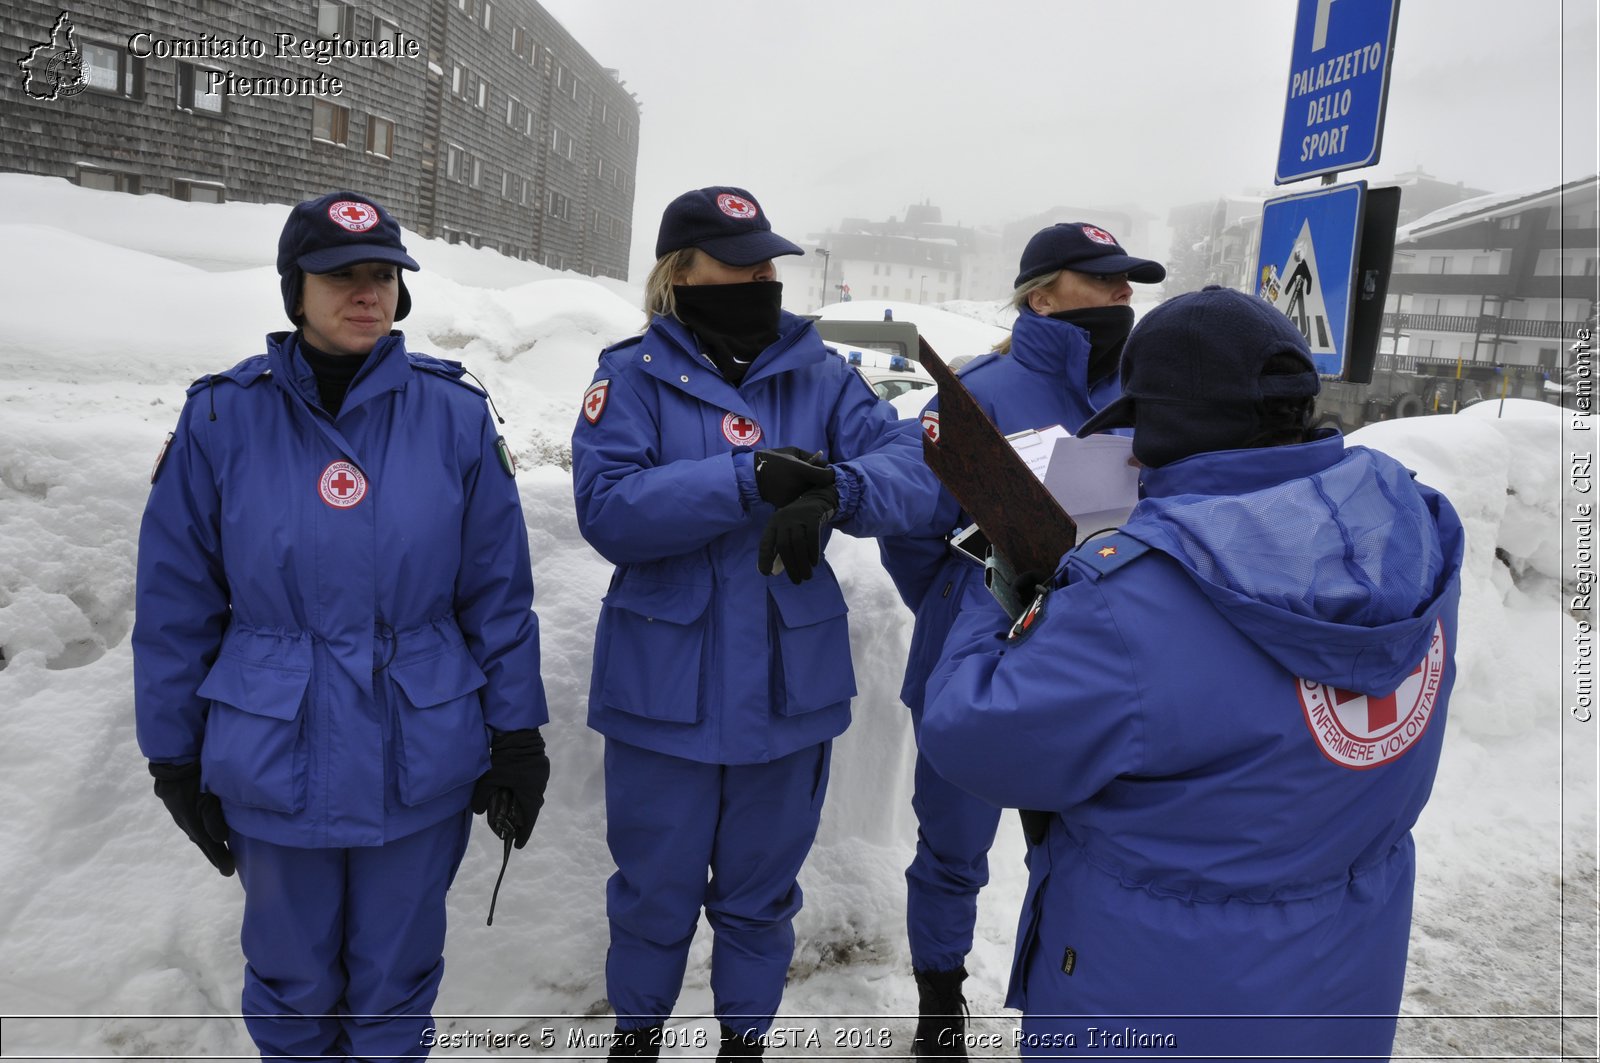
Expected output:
(733, 322)
(1108, 328)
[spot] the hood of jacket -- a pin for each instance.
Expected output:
(1333, 560)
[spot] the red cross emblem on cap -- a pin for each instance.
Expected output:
(594, 401)
(1098, 235)
(1362, 731)
(930, 425)
(354, 216)
(740, 430)
(342, 485)
(735, 206)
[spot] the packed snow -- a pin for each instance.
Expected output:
(117, 939)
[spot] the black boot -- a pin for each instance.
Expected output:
(738, 1046)
(643, 1043)
(942, 1011)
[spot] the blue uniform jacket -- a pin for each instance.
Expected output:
(1042, 382)
(1235, 709)
(336, 666)
(697, 654)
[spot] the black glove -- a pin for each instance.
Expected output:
(198, 814)
(518, 766)
(794, 534)
(786, 473)
(1026, 587)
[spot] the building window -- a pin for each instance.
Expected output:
(599, 169)
(193, 93)
(458, 80)
(560, 142)
(199, 191)
(527, 122)
(523, 198)
(557, 205)
(380, 136)
(513, 105)
(452, 163)
(112, 70)
(108, 180)
(330, 122)
(335, 19)
(488, 15)
(384, 30)
(483, 95)
(566, 82)
(519, 41)
(1513, 221)
(476, 171)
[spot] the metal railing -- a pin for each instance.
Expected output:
(1484, 325)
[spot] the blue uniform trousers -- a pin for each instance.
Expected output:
(955, 831)
(667, 821)
(344, 948)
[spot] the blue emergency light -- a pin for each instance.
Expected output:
(854, 357)
(899, 362)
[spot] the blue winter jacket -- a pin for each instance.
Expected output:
(698, 654)
(1234, 708)
(334, 613)
(1044, 381)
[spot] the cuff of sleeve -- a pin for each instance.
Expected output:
(848, 484)
(744, 473)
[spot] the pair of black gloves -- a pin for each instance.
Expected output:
(801, 485)
(511, 792)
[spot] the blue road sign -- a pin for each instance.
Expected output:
(1338, 85)
(1307, 265)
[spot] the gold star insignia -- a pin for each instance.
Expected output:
(1107, 551)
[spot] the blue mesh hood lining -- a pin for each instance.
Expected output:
(1337, 575)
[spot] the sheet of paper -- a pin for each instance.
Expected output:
(1036, 445)
(1095, 479)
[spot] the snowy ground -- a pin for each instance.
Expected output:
(111, 304)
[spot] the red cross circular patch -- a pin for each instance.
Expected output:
(736, 206)
(594, 401)
(930, 425)
(740, 430)
(1362, 731)
(342, 485)
(353, 215)
(1099, 236)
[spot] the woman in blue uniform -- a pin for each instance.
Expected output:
(1058, 366)
(712, 457)
(335, 654)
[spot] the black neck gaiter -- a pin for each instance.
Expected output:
(334, 372)
(1108, 328)
(733, 322)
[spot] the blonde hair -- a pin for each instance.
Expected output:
(1019, 302)
(668, 270)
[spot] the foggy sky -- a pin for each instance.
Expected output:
(995, 111)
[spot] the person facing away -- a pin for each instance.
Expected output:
(335, 655)
(1058, 367)
(712, 457)
(1228, 714)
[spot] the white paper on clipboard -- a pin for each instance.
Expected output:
(1095, 479)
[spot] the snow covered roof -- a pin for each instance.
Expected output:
(1492, 205)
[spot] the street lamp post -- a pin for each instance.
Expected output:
(826, 255)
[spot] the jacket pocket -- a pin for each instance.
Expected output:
(444, 743)
(813, 642)
(652, 639)
(255, 751)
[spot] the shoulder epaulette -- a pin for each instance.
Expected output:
(1104, 554)
(622, 345)
(244, 374)
(977, 363)
(449, 370)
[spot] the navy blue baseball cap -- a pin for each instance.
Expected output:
(334, 231)
(1083, 248)
(726, 223)
(1195, 374)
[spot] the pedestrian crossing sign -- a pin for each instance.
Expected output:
(1307, 264)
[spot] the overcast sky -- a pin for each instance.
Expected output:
(995, 111)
